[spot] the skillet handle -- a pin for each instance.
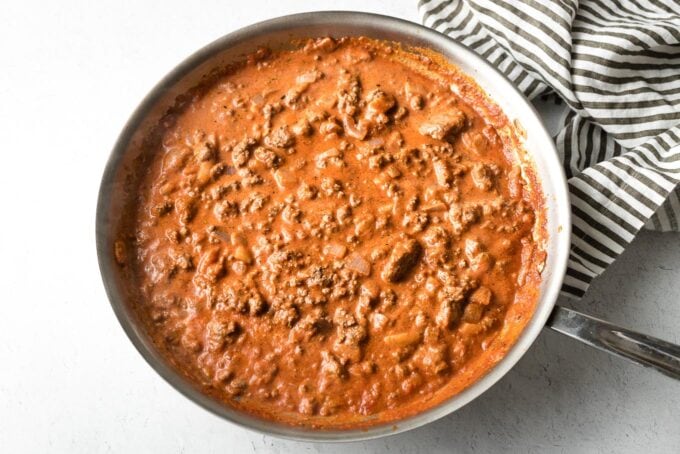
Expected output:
(642, 349)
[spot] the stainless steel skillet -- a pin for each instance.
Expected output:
(645, 350)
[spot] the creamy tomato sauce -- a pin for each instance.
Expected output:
(334, 236)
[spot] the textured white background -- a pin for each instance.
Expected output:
(70, 381)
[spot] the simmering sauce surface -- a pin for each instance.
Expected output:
(334, 236)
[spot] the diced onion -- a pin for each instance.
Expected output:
(402, 339)
(336, 250)
(356, 262)
(224, 236)
(258, 99)
(308, 77)
(376, 142)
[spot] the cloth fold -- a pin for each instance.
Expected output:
(617, 67)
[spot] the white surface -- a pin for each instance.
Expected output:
(70, 381)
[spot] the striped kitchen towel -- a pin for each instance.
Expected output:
(616, 64)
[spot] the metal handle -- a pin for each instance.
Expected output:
(639, 348)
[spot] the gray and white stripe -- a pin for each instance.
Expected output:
(617, 67)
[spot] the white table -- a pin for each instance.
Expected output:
(70, 74)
